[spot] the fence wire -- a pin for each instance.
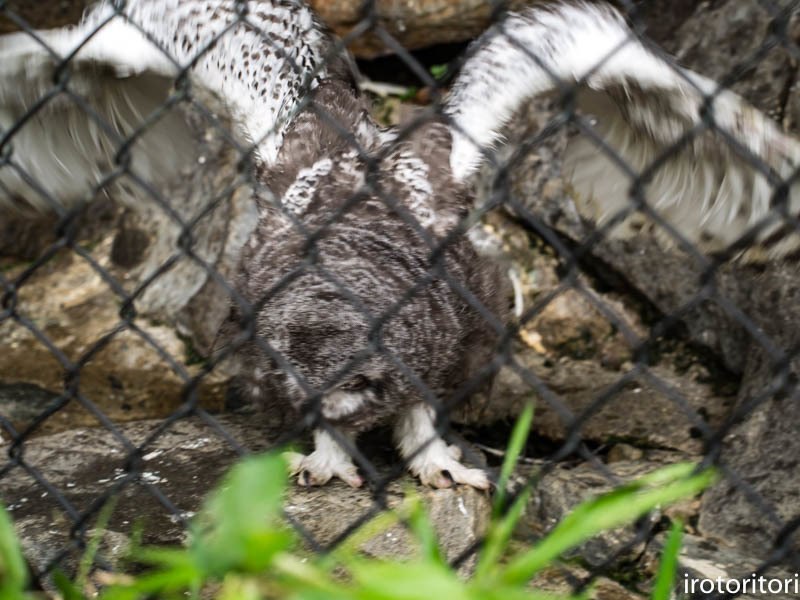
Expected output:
(573, 256)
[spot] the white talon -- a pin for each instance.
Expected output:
(327, 460)
(443, 473)
(437, 464)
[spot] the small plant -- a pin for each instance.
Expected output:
(438, 71)
(241, 549)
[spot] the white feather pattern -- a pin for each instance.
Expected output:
(124, 67)
(642, 105)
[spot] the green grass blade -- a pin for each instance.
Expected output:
(379, 580)
(13, 572)
(347, 550)
(424, 532)
(518, 438)
(302, 576)
(438, 71)
(623, 505)
(522, 593)
(235, 587)
(498, 536)
(69, 591)
(669, 563)
(237, 528)
(87, 560)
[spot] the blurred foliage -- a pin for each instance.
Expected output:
(241, 548)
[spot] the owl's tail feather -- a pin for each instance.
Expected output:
(721, 173)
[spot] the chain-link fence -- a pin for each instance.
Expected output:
(638, 352)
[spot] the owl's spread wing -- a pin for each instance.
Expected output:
(77, 104)
(712, 166)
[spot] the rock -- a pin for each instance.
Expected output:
(22, 403)
(43, 15)
(186, 294)
(761, 450)
(83, 463)
(460, 516)
(604, 588)
(140, 371)
(127, 378)
(642, 410)
(624, 452)
(562, 488)
(183, 464)
(718, 38)
(413, 23)
(701, 558)
(563, 579)
(572, 325)
(188, 458)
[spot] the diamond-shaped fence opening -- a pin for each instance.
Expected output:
(220, 239)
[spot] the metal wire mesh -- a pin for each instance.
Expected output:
(576, 259)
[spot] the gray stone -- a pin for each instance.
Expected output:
(561, 581)
(178, 468)
(413, 23)
(562, 488)
(701, 558)
(761, 451)
(22, 403)
(718, 38)
(127, 378)
(459, 516)
(624, 452)
(44, 15)
(656, 408)
(73, 306)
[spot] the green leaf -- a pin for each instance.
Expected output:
(379, 580)
(497, 538)
(158, 582)
(120, 593)
(310, 594)
(665, 579)
(349, 547)
(424, 532)
(239, 588)
(69, 591)
(163, 557)
(87, 560)
(13, 572)
(521, 593)
(410, 93)
(304, 576)
(518, 438)
(438, 71)
(238, 528)
(623, 505)
(500, 529)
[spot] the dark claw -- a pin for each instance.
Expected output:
(447, 474)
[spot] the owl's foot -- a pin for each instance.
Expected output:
(437, 464)
(327, 460)
(437, 468)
